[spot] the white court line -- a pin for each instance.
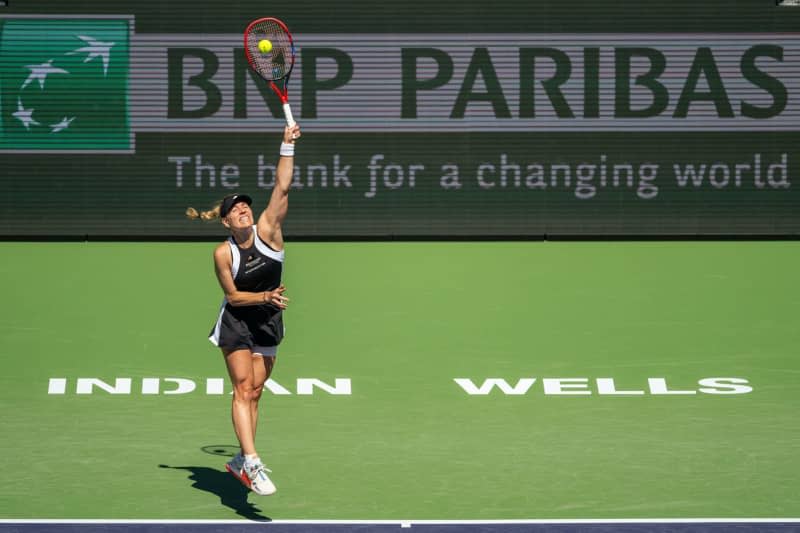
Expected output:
(409, 523)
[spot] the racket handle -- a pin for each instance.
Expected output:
(289, 118)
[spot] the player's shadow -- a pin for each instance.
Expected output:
(230, 491)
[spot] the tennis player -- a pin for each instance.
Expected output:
(249, 327)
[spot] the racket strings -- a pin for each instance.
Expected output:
(276, 63)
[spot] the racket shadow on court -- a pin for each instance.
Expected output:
(230, 491)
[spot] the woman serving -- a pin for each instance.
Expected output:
(249, 327)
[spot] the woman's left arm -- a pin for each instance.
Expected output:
(270, 221)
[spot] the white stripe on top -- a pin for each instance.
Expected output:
(264, 248)
(234, 257)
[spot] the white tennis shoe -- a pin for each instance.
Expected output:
(235, 465)
(259, 482)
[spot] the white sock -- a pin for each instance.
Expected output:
(249, 459)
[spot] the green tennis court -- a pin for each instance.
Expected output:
(111, 406)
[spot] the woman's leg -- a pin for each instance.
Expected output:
(262, 369)
(240, 370)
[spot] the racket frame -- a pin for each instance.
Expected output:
(283, 94)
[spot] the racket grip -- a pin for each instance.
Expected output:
(289, 118)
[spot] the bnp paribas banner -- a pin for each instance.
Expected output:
(98, 83)
(406, 134)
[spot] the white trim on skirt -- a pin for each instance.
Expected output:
(265, 351)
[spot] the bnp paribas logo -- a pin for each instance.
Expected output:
(64, 85)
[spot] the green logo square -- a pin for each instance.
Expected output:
(64, 85)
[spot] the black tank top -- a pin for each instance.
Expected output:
(257, 268)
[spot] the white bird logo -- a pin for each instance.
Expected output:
(95, 49)
(25, 115)
(64, 124)
(39, 72)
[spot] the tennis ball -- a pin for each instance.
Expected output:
(264, 45)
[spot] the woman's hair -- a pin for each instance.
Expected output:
(211, 214)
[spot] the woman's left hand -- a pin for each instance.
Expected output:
(277, 298)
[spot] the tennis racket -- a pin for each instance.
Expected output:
(276, 63)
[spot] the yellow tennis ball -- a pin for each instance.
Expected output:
(264, 45)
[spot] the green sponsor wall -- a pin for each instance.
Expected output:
(132, 167)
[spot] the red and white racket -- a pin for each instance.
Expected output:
(270, 51)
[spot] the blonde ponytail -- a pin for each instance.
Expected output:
(211, 214)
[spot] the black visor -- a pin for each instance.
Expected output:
(229, 201)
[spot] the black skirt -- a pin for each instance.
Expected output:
(248, 326)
